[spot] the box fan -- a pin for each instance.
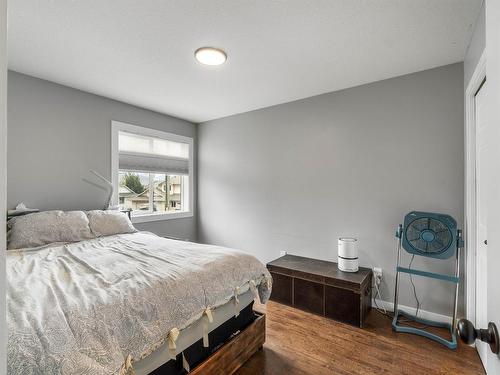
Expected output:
(434, 236)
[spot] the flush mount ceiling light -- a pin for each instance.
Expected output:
(210, 56)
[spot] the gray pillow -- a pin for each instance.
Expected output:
(46, 227)
(107, 223)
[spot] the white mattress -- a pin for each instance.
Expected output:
(190, 335)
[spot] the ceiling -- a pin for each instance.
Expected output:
(141, 52)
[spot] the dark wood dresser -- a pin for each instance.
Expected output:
(319, 287)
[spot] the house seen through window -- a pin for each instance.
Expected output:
(154, 171)
(135, 191)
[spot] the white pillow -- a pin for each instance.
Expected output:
(107, 223)
(46, 227)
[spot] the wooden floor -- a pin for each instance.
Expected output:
(303, 343)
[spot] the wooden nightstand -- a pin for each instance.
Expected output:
(318, 286)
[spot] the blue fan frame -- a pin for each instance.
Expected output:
(453, 248)
(447, 220)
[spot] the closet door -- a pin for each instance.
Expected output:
(492, 178)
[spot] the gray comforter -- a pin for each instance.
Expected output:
(95, 306)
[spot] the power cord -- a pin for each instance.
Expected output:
(376, 283)
(377, 293)
(408, 321)
(377, 280)
(413, 285)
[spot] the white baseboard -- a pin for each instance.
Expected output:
(389, 306)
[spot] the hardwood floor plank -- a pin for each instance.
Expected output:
(302, 343)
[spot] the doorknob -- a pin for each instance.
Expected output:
(468, 334)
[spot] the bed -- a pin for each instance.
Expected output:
(122, 303)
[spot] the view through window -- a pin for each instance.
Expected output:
(150, 192)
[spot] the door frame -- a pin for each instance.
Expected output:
(470, 187)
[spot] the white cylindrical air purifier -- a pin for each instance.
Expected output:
(348, 254)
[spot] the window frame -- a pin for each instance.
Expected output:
(116, 127)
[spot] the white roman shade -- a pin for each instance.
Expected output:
(152, 154)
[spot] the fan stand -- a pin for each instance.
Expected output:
(452, 343)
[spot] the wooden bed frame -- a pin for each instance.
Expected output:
(234, 353)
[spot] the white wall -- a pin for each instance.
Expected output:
(58, 133)
(3, 177)
(299, 175)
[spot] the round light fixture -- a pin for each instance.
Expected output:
(210, 56)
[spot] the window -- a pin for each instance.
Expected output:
(152, 172)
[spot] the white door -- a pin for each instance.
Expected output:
(481, 219)
(493, 170)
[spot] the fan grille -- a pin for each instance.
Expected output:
(428, 235)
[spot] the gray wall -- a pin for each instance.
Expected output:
(476, 46)
(56, 134)
(297, 176)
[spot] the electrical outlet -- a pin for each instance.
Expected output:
(283, 253)
(377, 275)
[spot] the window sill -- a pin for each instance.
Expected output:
(146, 218)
